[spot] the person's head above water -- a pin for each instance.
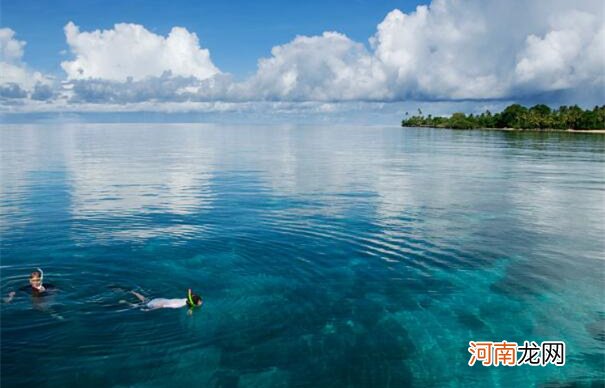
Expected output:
(193, 300)
(35, 279)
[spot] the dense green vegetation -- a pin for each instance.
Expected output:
(517, 116)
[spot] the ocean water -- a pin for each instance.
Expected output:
(326, 256)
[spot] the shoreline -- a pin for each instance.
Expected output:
(598, 131)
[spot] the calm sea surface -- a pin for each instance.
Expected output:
(326, 256)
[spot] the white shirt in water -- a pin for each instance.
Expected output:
(160, 303)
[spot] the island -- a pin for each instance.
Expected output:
(538, 117)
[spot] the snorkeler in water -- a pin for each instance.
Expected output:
(36, 287)
(192, 300)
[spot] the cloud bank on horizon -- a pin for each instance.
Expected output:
(446, 51)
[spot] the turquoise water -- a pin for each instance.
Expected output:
(326, 256)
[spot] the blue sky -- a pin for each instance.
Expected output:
(313, 58)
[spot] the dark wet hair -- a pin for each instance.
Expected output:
(35, 274)
(196, 299)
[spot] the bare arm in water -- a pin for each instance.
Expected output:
(10, 297)
(139, 296)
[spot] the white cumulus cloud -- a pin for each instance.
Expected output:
(131, 51)
(570, 53)
(318, 68)
(10, 48)
(16, 79)
(491, 49)
(441, 51)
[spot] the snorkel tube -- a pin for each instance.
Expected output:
(190, 299)
(41, 287)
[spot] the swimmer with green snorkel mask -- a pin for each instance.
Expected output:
(192, 301)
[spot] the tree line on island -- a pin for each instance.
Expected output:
(517, 116)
